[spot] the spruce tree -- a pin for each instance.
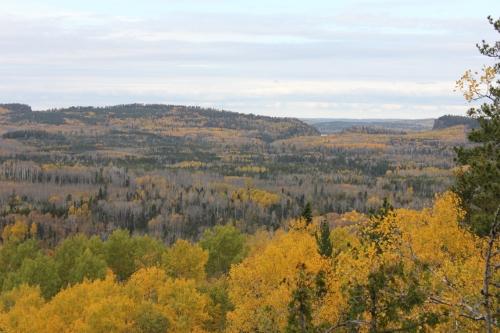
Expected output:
(325, 247)
(307, 213)
(389, 296)
(300, 307)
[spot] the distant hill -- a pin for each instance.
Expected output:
(372, 130)
(328, 126)
(146, 116)
(16, 107)
(450, 121)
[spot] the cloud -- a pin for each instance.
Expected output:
(288, 98)
(270, 64)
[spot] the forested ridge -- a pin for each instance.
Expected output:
(155, 218)
(450, 121)
(265, 128)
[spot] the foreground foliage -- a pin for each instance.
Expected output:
(397, 269)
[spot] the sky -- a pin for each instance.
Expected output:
(315, 58)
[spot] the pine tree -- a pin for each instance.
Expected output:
(478, 184)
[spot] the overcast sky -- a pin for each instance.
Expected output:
(332, 58)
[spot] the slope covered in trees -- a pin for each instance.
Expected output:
(450, 121)
(173, 171)
(158, 117)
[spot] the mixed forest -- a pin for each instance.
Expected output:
(173, 171)
(168, 218)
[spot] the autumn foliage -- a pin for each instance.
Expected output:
(396, 269)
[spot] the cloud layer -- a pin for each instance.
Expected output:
(351, 62)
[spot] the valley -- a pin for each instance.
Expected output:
(173, 171)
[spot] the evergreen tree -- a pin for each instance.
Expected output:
(325, 247)
(300, 308)
(383, 211)
(321, 285)
(478, 184)
(307, 213)
(389, 297)
(372, 233)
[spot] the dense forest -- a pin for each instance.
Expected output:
(162, 218)
(172, 171)
(450, 121)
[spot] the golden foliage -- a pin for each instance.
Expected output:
(261, 197)
(473, 86)
(185, 260)
(180, 302)
(261, 286)
(430, 245)
(106, 306)
(17, 231)
(252, 169)
(189, 165)
(79, 210)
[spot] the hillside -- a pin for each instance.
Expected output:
(160, 119)
(450, 121)
(172, 171)
(328, 126)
